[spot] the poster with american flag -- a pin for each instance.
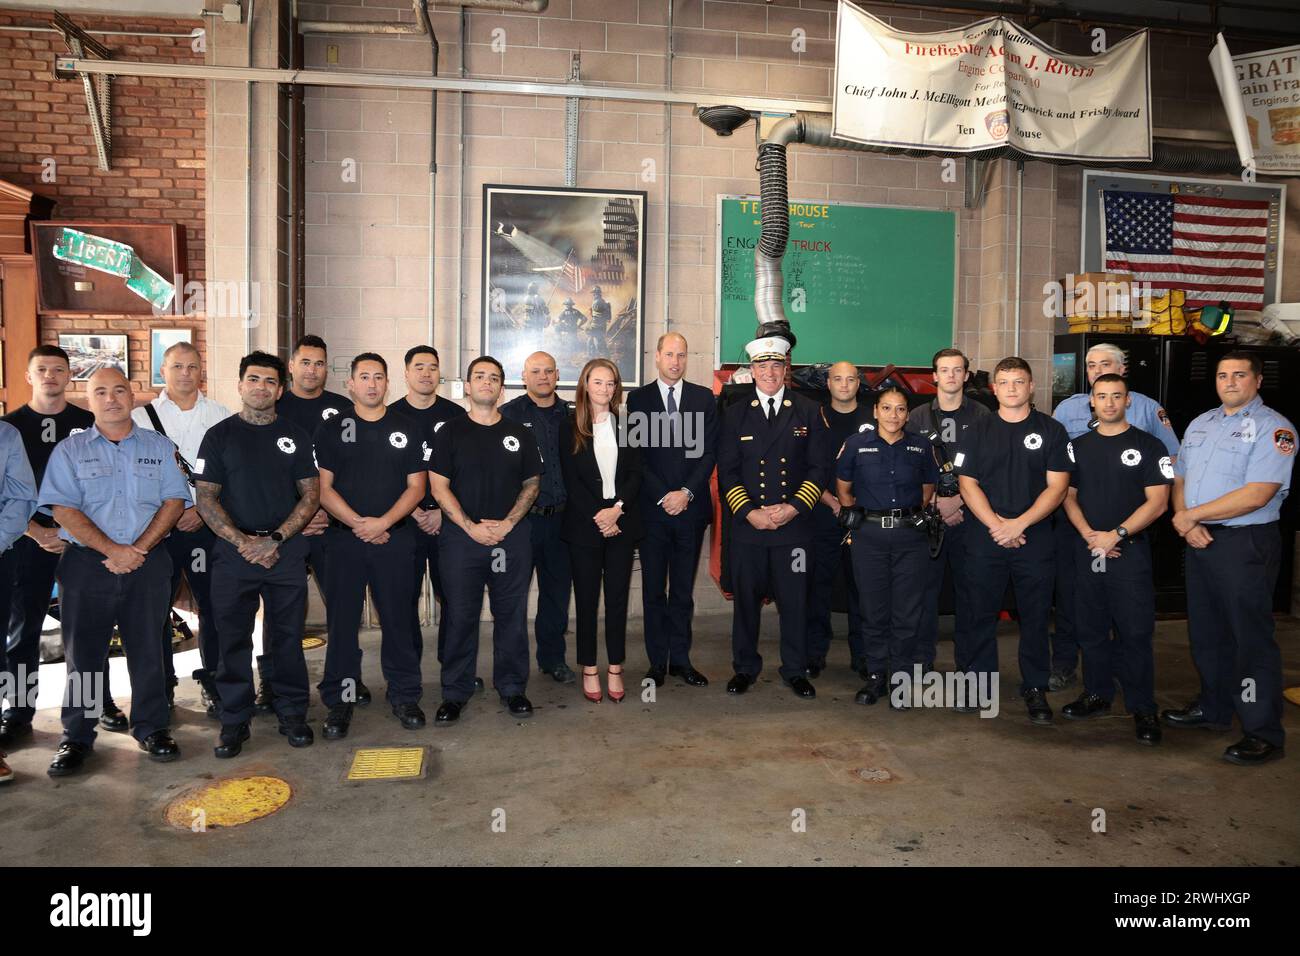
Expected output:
(1213, 248)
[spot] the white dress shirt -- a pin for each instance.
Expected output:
(762, 400)
(605, 445)
(663, 392)
(185, 428)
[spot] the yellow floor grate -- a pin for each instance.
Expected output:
(228, 803)
(387, 763)
(311, 643)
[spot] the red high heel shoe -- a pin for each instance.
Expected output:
(596, 697)
(616, 698)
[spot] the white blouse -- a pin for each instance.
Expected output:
(605, 445)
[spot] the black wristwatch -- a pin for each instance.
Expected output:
(1122, 532)
(277, 537)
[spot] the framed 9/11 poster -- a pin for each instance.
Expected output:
(564, 273)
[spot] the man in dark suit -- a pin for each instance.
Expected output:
(680, 421)
(772, 467)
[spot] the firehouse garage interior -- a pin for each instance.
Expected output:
(464, 175)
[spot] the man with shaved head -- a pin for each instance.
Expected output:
(676, 504)
(542, 411)
(116, 490)
(845, 417)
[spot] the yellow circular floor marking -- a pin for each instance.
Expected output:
(311, 643)
(228, 803)
(1292, 694)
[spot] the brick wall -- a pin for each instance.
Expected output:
(157, 157)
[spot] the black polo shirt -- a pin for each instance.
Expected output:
(308, 413)
(1011, 459)
(258, 468)
(430, 420)
(545, 425)
(1113, 472)
(487, 465)
(370, 461)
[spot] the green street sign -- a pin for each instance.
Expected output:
(95, 252)
(115, 258)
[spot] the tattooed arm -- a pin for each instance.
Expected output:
(308, 504)
(527, 495)
(208, 504)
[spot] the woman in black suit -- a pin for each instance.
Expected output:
(602, 519)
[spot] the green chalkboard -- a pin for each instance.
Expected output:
(877, 284)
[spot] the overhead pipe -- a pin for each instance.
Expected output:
(816, 129)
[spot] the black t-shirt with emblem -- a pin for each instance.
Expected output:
(42, 432)
(258, 468)
(844, 425)
(1011, 459)
(1113, 472)
(370, 461)
(430, 420)
(308, 413)
(487, 465)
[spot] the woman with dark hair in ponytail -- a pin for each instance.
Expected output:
(602, 518)
(889, 474)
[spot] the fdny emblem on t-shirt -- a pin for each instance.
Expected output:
(397, 440)
(511, 443)
(1130, 456)
(286, 445)
(1033, 441)
(328, 413)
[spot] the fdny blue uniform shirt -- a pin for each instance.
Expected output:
(887, 476)
(1221, 453)
(1076, 411)
(117, 485)
(17, 487)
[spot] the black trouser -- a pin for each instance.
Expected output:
(831, 559)
(386, 568)
(611, 560)
(1065, 645)
(1230, 627)
(1119, 593)
(94, 599)
(425, 555)
(319, 568)
(505, 569)
(1031, 569)
(670, 556)
(236, 587)
(191, 552)
(890, 566)
(953, 559)
(779, 571)
(550, 557)
(29, 569)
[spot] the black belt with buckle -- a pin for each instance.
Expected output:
(336, 523)
(892, 518)
(545, 511)
(257, 533)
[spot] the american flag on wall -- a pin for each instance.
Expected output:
(1212, 248)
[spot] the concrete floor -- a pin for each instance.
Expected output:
(696, 778)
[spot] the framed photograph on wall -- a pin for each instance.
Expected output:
(160, 340)
(564, 273)
(88, 352)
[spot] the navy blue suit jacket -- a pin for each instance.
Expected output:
(670, 469)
